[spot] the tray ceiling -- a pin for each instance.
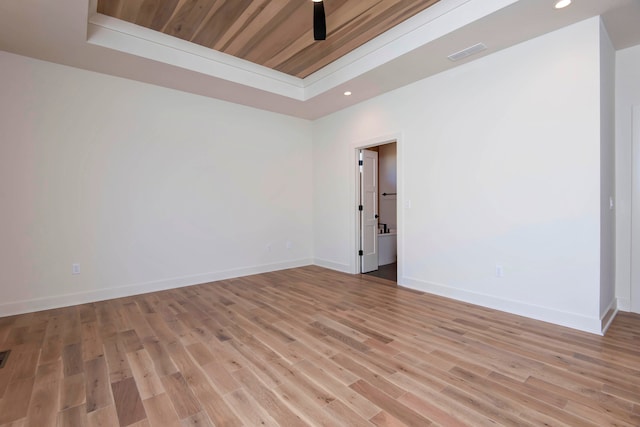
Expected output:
(72, 33)
(275, 33)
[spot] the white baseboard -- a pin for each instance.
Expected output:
(571, 320)
(57, 301)
(344, 268)
(607, 317)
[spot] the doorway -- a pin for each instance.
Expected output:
(377, 207)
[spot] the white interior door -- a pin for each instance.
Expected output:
(369, 212)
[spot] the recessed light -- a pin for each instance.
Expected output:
(562, 3)
(347, 93)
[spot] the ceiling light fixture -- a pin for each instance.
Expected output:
(562, 4)
(347, 93)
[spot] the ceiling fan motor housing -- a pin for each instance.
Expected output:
(319, 21)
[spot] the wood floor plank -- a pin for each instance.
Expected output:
(304, 407)
(92, 346)
(73, 417)
(128, 402)
(435, 397)
(198, 420)
(24, 359)
(537, 411)
(362, 372)
(345, 395)
(98, 388)
(162, 362)
(15, 404)
(51, 349)
(184, 402)
(389, 404)
(43, 405)
(5, 378)
(18, 423)
(309, 346)
(340, 337)
(249, 411)
(209, 398)
(385, 419)
(585, 398)
(161, 411)
(72, 359)
(267, 399)
(72, 391)
(221, 378)
(345, 415)
(103, 417)
(117, 361)
(145, 375)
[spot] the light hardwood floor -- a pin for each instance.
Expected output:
(311, 347)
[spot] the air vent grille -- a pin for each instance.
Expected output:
(467, 52)
(4, 355)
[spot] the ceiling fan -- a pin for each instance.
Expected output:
(319, 21)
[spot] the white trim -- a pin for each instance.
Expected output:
(354, 192)
(126, 37)
(57, 301)
(634, 284)
(332, 265)
(562, 318)
(603, 317)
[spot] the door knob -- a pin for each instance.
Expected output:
(376, 216)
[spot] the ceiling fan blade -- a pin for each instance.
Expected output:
(319, 21)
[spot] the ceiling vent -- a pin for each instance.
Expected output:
(467, 52)
(4, 355)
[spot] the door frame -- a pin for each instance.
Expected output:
(634, 285)
(354, 191)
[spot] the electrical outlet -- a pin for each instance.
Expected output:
(289, 244)
(269, 247)
(499, 271)
(75, 268)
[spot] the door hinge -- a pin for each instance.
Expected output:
(360, 162)
(361, 252)
(360, 207)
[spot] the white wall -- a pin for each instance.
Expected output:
(627, 96)
(145, 187)
(500, 160)
(607, 173)
(387, 160)
(635, 211)
(149, 188)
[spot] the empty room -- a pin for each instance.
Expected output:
(319, 213)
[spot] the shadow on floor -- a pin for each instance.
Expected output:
(388, 272)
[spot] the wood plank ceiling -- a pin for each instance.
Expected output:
(275, 33)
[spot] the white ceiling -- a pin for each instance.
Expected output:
(70, 32)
